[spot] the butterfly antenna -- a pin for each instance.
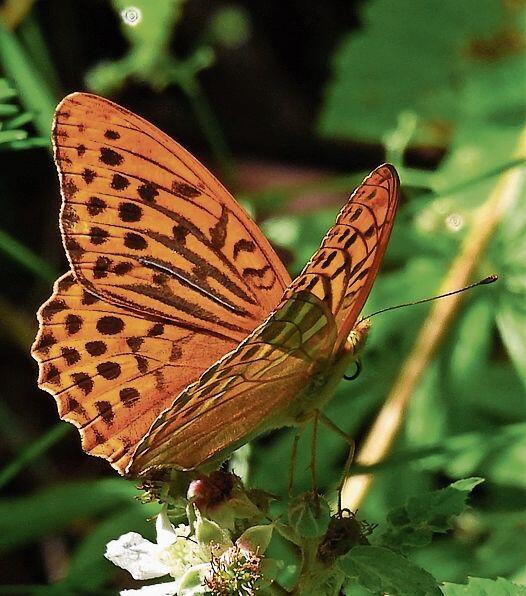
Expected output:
(487, 280)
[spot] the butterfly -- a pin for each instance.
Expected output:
(178, 334)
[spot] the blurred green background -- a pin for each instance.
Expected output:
(290, 104)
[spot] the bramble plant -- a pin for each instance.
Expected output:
(222, 547)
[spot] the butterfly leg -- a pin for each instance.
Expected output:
(350, 457)
(293, 454)
(314, 479)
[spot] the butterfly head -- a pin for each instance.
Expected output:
(357, 337)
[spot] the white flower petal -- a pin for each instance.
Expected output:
(165, 589)
(140, 557)
(166, 534)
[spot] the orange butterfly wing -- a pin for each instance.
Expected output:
(169, 275)
(113, 371)
(265, 383)
(273, 376)
(341, 273)
(148, 228)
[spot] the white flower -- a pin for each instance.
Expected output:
(174, 553)
(138, 556)
(196, 562)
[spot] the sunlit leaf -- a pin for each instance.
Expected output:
(382, 571)
(426, 514)
(431, 59)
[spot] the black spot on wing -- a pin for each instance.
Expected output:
(110, 157)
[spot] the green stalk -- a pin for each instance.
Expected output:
(31, 35)
(27, 258)
(34, 451)
(209, 125)
(14, 12)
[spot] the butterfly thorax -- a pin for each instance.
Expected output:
(324, 383)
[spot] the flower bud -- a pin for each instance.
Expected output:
(208, 492)
(191, 583)
(256, 538)
(222, 498)
(207, 532)
(309, 515)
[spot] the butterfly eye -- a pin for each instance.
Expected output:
(356, 373)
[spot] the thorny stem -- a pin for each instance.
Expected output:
(386, 427)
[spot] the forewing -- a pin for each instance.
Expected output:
(148, 228)
(112, 371)
(341, 273)
(253, 389)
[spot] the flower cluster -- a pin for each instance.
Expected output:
(202, 557)
(222, 549)
(205, 561)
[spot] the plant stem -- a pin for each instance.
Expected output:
(31, 86)
(386, 427)
(33, 452)
(210, 126)
(27, 258)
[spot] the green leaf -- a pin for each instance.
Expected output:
(425, 514)
(511, 321)
(439, 61)
(7, 110)
(148, 26)
(497, 453)
(478, 586)
(509, 251)
(309, 516)
(382, 571)
(53, 509)
(12, 135)
(471, 345)
(32, 88)
(25, 257)
(32, 452)
(427, 413)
